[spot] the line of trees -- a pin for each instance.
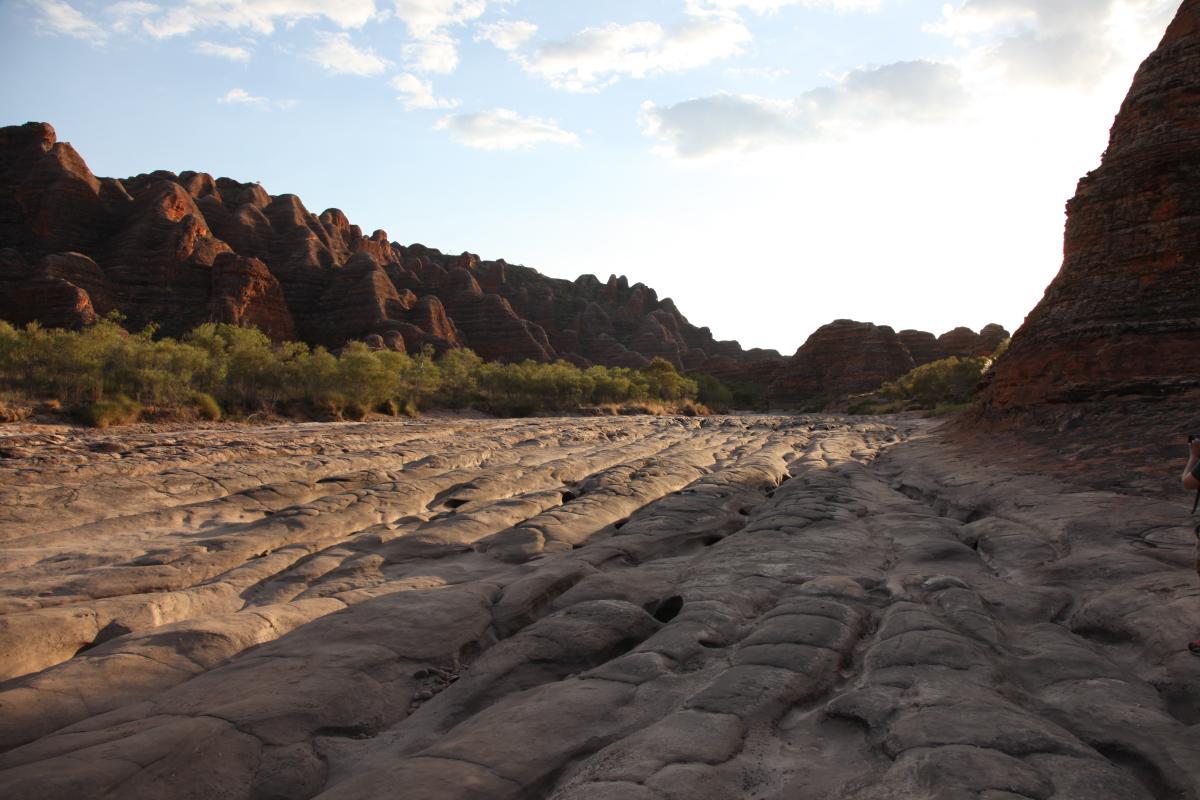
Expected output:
(110, 376)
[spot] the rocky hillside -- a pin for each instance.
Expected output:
(1101, 382)
(847, 357)
(1122, 316)
(179, 250)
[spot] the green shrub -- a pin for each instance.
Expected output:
(355, 410)
(712, 393)
(329, 405)
(116, 410)
(945, 409)
(219, 368)
(950, 380)
(206, 406)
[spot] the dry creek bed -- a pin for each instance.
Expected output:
(584, 609)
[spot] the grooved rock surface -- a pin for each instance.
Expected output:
(161, 244)
(769, 607)
(1123, 315)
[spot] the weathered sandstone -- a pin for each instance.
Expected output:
(1122, 316)
(585, 608)
(841, 358)
(163, 242)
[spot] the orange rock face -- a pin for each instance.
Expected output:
(178, 250)
(1123, 314)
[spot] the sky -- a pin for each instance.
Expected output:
(771, 165)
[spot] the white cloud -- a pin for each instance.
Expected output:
(417, 94)
(906, 91)
(339, 55)
(437, 52)
(771, 6)
(128, 12)
(503, 129)
(1051, 42)
(763, 73)
(260, 16)
(597, 57)
(231, 52)
(431, 48)
(506, 36)
(242, 98)
(427, 17)
(61, 17)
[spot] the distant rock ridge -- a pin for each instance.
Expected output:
(847, 357)
(179, 250)
(1122, 317)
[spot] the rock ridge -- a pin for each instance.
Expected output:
(181, 249)
(847, 357)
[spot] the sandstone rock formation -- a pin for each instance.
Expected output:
(578, 609)
(922, 346)
(181, 249)
(841, 358)
(1122, 316)
(848, 357)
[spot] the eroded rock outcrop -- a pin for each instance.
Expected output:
(842, 358)
(847, 357)
(178, 250)
(1123, 314)
(922, 346)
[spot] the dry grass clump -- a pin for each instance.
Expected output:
(115, 410)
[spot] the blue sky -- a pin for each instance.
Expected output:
(769, 164)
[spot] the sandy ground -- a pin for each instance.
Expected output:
(586, 608)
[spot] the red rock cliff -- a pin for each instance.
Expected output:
(179, 250)
(1123, 314)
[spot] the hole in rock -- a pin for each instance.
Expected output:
(455, 502)
(568, 496)
(620, 524)
(709, 541)
(668, 609)
(745, 512)
(974, 515)
(710, 645)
